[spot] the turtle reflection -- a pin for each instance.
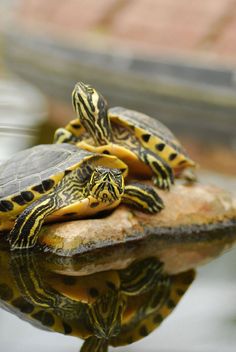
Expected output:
(115, 307)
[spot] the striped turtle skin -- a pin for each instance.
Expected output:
(147, 146)
(57, 182)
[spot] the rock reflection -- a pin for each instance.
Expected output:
(115, 307)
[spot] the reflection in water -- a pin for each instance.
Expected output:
(115, 307)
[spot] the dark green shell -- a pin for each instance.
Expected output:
(137, 119)
(35, 165)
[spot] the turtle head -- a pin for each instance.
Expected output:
(91, 109)
(106, 185)
(105, 315)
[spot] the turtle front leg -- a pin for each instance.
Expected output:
(71, 189)
(62, 135)
(33, 286)
(143, 197)
(142, 276)
(28, 224)
(70, 134)
(163, 173)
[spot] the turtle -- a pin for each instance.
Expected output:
(59, 182)
(115, 307)
(146, 145)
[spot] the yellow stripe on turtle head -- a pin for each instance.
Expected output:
(91, 110)
(106, 185)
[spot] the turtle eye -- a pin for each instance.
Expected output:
(101, 104)
(90, 89)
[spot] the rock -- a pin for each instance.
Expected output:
(197, 224)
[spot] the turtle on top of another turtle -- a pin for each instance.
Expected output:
(60, 182)
(77, 177)
(147, 146)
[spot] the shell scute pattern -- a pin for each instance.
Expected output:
(141, 124)
(138, 119)
(34, 172)
(153, 135)
(36, 167)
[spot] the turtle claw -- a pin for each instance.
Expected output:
(163, 184)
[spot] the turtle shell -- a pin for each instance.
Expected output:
(34, 172)
(137, 120)
(130, 129)
(153, 135)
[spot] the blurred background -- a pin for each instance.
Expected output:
(174, 60)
